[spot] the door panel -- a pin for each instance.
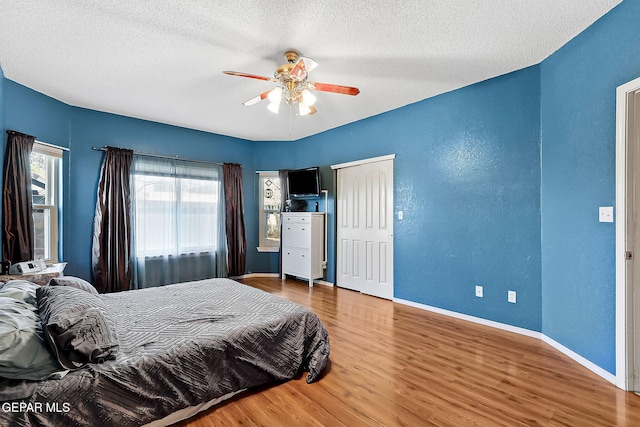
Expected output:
(365, 229)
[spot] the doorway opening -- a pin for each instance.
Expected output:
(628, 236)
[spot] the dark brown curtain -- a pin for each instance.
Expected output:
(17, 210)
(110, 254)
(234, 212)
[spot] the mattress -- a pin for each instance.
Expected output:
(180, 347)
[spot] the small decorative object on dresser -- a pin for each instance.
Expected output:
(303, 245)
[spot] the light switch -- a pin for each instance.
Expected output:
(400, 215)
(606, 213)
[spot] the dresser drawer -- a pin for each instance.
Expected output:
(297, 235)
(295, 261)
(292, 218)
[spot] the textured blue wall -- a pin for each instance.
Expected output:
(467, 176)
(47, 119)
(36, 114)
(578, 85)
(79, 129)
(2, 84)
(94, 129)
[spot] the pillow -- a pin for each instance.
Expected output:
(74, 282)
(21, 290)
(77, 326)
(24, 354)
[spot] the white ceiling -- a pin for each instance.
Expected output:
(163, 60)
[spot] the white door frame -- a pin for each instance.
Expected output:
(390, 200)
(625, 354)
(363, 161)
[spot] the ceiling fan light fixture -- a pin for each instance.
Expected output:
(293, 85)
(303, 109)
(273, 107)
(275, 96)
(308, 98)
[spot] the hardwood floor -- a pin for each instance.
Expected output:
(393, 365)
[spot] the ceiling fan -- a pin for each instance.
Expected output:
(293, 86)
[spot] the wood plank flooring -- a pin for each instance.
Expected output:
(393, 365)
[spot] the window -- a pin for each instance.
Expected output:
(269, 188)
(178, 221)
(45, 189)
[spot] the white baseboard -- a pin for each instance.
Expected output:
(581, 360)
(479, 320)
(522, 331)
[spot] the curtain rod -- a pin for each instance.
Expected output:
(46, 144)
(164, 157)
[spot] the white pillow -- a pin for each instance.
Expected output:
(24, 354)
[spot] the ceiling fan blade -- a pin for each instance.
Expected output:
(257, 99)
(313, 110)
(302, 68)
(252, 76)
(345, 90)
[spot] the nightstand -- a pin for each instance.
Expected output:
(41, 277)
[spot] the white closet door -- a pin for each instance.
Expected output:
(365, 228)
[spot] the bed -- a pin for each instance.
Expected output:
(151, 356)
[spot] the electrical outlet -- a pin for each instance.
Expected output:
(605, 213)
(511, 296)
(479, 292)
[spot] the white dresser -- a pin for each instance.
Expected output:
(303, 244)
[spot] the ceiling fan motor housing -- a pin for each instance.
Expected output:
(292, 88)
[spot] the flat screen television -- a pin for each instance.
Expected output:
(304, 183)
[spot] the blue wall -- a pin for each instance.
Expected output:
(578, 86)
(467, 176)
(30, 112)
(94, 129)
(79, 129)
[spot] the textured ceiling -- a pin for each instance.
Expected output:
(163, 60)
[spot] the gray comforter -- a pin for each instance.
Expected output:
(180, 345)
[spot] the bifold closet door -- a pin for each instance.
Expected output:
(365, 228)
